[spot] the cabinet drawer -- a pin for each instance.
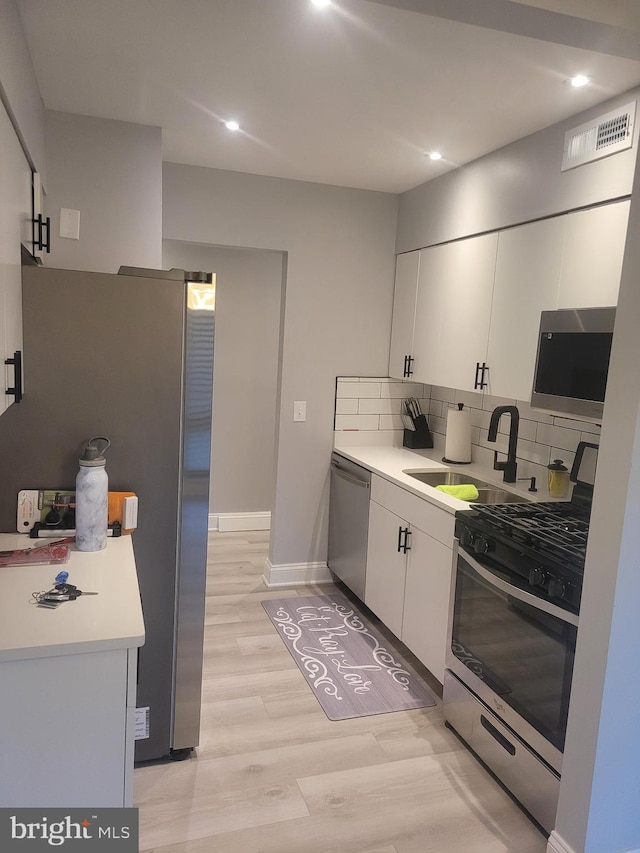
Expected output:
(416, 511)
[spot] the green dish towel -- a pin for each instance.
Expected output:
(464, 492)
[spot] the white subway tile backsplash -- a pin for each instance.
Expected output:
(446, 394)
(358, 389)
(380, 406)
(559, 436)
(372, 438)
(469, 398)
(534, 452)
(527, 429)
(390, 422)
(368, 413)
(436, 408)
(489, 402)
(533, 414)
(403, 389)
(582, 426)
(346, 406)
(357, 422)
(437, 424)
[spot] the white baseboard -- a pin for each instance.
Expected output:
(556, 844)
(228, 521)
(296, 574)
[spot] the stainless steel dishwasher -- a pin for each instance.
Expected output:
(349, 522)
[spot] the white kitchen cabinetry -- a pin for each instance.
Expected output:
(478, 300)
(15, 216)
(386, 566)
(409, 558)
(68, 698)
(526, 282)
(453, 312)
(404, 315)
(592, 259)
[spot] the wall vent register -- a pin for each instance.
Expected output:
(607, 134)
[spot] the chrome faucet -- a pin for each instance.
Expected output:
(509, 466)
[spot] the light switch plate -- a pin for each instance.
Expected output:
(69, 223)
(299, 410)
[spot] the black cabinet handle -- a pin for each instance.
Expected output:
(403, 540)
(16, 361)
(40, 227)
(480, 371)
(497, 736)
(408, 370)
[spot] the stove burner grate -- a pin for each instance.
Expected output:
(557, 530)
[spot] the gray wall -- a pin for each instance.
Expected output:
(337, 311)
(517, 183)
(248, 295)
(111, 171)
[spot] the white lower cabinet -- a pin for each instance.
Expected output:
(386, 567)
(409, 559)
(68, 729)
(426, 601)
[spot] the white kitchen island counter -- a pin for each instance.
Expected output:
(68, 675)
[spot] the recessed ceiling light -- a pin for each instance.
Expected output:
(321, 4)
(232, 125)
(435, 155)
(580, 80)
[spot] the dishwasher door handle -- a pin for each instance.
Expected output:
(356, 481)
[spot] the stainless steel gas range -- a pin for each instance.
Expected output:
(512, 634)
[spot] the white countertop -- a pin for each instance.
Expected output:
(391, 462)
(110, 620)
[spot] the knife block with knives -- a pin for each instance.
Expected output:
(416, 433)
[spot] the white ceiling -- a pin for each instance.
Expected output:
(351, 95)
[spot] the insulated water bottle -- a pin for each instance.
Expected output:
(92, 503)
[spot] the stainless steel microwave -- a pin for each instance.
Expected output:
(572, 362)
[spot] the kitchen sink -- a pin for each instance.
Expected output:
(487, 494)
(446, 478)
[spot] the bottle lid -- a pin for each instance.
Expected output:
(93, 453)
(557, 465)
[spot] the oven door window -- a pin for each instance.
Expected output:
(523, 654)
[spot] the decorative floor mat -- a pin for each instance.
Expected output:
(350, 668)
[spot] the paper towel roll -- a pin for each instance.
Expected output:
(457, 447)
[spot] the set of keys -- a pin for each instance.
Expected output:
(62, 591)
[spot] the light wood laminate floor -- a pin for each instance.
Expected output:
(273, 775)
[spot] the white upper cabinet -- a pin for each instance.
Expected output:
(592, 261)
(462, 289)
(15, 218)
(477, 302)
(526, 283)
(404, 313)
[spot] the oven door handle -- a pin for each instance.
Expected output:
(519, 594)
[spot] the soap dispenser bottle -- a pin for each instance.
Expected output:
(92, 505)
(558, 479)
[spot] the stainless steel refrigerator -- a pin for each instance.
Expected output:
(130, 357)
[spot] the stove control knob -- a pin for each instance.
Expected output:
(557, 588)
(481, 545)
(537, 576)
(466, 537)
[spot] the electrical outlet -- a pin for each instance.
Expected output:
(300, 410)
